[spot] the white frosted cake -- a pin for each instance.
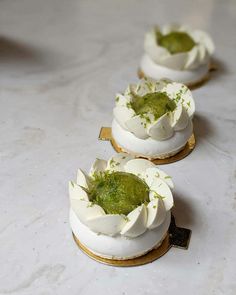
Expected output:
(153, 119)
(121, 209)
(177, 52)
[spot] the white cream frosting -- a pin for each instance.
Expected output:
(156, 71)
(153, 138)
(118, 247)
(187, 67)
(138, 221)
(150, 148)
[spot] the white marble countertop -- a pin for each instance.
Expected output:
(61, 63)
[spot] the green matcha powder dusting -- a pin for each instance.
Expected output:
(118, 192)
(175, 42)
(157, 103)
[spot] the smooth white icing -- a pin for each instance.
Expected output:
(150, 147)
(118, 247)
(157, 72)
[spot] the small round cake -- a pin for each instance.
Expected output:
(121, 209)
(153, 119)
(177, 52)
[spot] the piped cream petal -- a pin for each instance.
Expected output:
(138, 166)
(179, 118)
(137, 126)
(205, 39)
(203, 55)
(136, 224)
(182, 95)
(156, 213)
(192, 60)
(160, 84)
(76, 192)
(154, 51)
(154, 173)
(82, 179)
(162, 189)
(161, 129)
(146, 85)
(122, 115)
(121, 100)
(109, 224)
(118, 161)
(86, 210)
(130, 90)
(175, 61)
(99, 165)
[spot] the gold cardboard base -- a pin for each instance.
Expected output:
(105, 134)
(176, 237)
(194, 85)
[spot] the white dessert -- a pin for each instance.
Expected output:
(188, 67)
(116, 235)
(143, 135)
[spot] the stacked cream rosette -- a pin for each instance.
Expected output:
(145, 127)
(145, 217)
(197, 56)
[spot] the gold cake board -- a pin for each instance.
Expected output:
(106, 134)
(194, 85)
(176, 237)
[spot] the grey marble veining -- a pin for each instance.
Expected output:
(61, 63)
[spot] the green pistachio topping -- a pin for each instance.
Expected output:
(175, 42)
(156, 103)
(118, 192)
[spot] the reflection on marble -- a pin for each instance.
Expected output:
(61, 62)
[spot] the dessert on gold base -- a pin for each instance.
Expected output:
(106, 135)
(153, 119)
(121, 210)
(179, 53)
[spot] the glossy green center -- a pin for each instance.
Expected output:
(176, 42)
(118, 192)
(157, 103)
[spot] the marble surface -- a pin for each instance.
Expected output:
(61, 63)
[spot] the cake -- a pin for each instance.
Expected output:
(121, 209)
(153, 119)
(177, 52)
